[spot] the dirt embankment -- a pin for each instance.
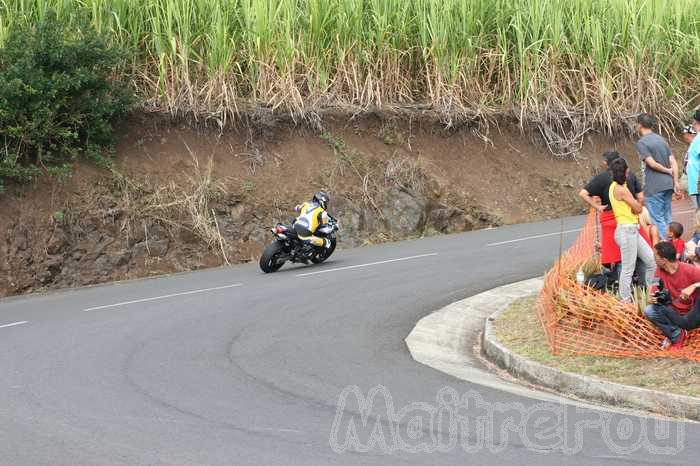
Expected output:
(181, 199)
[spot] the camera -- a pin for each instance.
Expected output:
(662, 295)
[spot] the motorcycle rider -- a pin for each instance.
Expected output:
(312, 218)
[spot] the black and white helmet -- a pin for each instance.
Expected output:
(322, 199)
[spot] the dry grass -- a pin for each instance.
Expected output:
(376, 173)
(520, 330)
(373, 176)
(591, 267)
(406, 172)
(175, 205)
(351, 163)
(455, 61)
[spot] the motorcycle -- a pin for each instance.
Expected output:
(289, 247)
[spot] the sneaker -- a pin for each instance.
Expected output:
(678, 346)
(665, 344)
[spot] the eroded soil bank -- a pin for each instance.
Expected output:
(180, 198)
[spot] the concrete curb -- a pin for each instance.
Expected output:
(445, 340)
(584, 387)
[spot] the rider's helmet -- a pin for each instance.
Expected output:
(322, 199)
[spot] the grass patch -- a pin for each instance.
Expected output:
(567, 69)
(175, 206)
(519, 329)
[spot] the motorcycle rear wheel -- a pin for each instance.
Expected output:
(269, 261)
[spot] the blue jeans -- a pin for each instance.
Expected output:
(659, 206)
(670, 322)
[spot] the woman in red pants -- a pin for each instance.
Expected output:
(595, 194)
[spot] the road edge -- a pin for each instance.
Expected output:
(445, 340)
(584, 387)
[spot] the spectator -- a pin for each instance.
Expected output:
(693, 157)
(627, 236)
(596, 194)
(687, 134)
(647, 228)
(675, 233)
(660, 172)
(691, 247)
(683, 312)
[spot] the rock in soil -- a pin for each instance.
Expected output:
(152, 248)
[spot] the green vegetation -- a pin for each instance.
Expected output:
(59, 216)
(247, 186)
(566, 66)
(56, 99)
(519, 329)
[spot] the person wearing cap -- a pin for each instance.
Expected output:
(693, 154)
(688, 134)
(596, 194)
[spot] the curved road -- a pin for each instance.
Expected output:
(231, 366)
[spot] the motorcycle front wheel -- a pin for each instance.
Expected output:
(324, 254)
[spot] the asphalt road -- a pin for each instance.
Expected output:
(231, 366)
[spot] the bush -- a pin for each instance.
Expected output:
(57, 98)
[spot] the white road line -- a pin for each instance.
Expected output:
(155, 298)
(560, 233)
(13, 324)
(367, 265)
(535, 237)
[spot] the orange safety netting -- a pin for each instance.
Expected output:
(579, 320)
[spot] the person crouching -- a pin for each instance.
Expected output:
(681, 311)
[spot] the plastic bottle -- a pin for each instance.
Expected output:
(580, 277)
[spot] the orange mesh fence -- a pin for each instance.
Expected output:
(579, 320)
